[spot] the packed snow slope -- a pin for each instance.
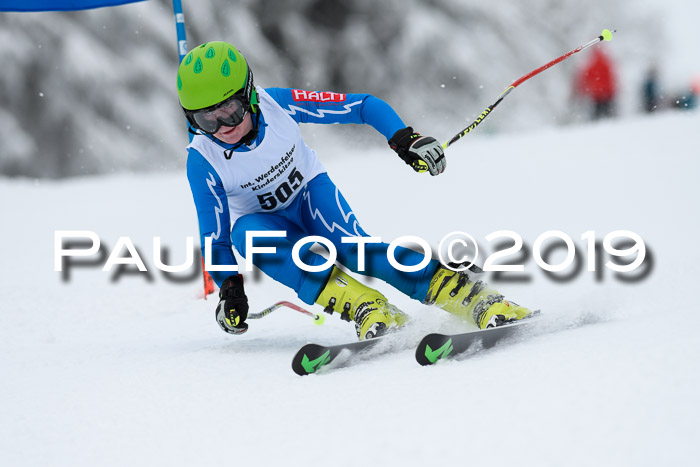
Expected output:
(134, 371)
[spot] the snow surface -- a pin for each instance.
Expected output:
(133, 372)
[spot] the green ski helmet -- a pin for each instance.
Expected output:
(213, 72)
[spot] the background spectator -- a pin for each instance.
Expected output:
(596, 81)
(650, 90)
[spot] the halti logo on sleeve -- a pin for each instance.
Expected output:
(315, 96)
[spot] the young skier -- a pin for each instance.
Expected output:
(250, 170)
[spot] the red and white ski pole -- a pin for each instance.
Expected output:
(606, 35)
(318, 319)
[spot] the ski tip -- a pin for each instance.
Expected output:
(432, 348)
(310, 358)
(607, 34)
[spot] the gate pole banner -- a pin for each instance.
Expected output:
(59, 5)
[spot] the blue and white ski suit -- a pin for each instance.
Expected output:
(278, 183)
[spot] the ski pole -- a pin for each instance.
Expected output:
(318, 319)
(606, 35)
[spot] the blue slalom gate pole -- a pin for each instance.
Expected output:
(181, 36)
(180, 28)
(182, 51)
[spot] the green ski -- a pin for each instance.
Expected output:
(435, 347)
(311, 357)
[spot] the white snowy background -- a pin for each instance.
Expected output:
(135, 371)
(93, 91)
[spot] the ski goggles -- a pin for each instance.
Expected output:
(230, 113)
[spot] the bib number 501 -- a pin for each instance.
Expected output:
(284, 191)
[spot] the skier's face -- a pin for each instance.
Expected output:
(232, 135)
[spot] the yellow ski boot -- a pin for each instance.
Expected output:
(372, 314)
(473, 300)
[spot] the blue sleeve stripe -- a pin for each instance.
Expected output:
(331, 107)
(321, 113)
(212, 212)
(218, 209)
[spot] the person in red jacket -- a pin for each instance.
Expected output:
(597, 82)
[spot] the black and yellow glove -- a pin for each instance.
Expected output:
(232, 310)
(422, 153)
